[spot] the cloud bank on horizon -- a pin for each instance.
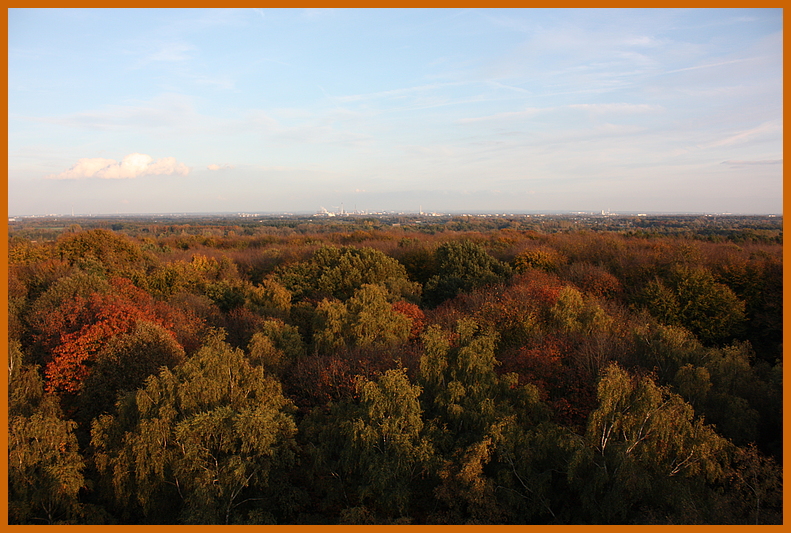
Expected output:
(505, 110)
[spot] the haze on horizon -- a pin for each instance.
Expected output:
(504, 110)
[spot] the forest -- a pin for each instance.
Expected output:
(395, 370)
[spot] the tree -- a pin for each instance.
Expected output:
(366, 320)
(338, 272)
(45, 468)
(467, 404)
(387, 440)
(545, 259)
(595, 280)
(462, 266)
(201, 442)
(644, 449)
(86, 324)
(368, 453)
(123, 363)
(373, 321)
(573, 314)
(414, 314)
(103, 251)
(757, 488)
(277, 347)
(665, 349)
(691, 298)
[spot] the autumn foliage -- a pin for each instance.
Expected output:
(464, 370)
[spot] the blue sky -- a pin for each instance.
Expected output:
(273, 110)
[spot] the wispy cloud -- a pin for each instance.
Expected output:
(709, 65)
(132, 166)
(758, 162)
(215, 166)
(508, 115)
(772, 127)
(174, 51)
(593, 109)
(168, 110)
(601, 109)
(397, 93)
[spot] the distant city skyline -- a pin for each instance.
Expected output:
(114, 111)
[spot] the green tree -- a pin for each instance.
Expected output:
(645, 451)
(207, 442)
(45, 468)
(467, 404)
(366, 320)
(338, 272)
(691, 298)
(666, 349)
(462, 266)
(368, 454)
(387, 441)
(277, 346)
(573, 313)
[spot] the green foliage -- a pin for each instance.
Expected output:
(366, 320)
(468, 408)
(643, 447)
(373, 321)
(168, 279)
(691, 298)
(339, 272)
(666, 349)
(572, 313)
(464, 395)
(199, 442)
(276, 347)
(462, 266)
(45, 468)
(735, 389)
(387, 440)
(531, 466)
(227, 295)
(367, 455)
(269, 298)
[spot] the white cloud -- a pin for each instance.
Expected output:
(132, 166)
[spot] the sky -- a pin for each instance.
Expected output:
(445, 110)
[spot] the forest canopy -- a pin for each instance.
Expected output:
(395, 370)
